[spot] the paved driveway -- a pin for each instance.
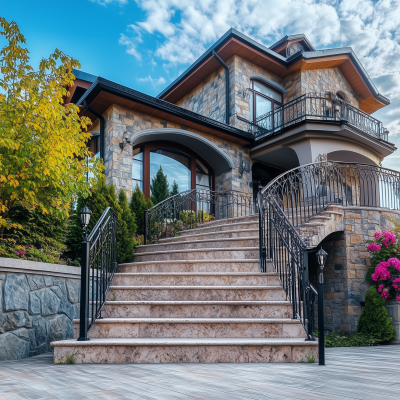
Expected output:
(351, 373)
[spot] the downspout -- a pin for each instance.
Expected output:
(102, 127)
(227, 119)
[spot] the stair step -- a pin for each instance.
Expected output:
(232, 253)
(213, 235)
(221, 227)
(195, 278)
(194, 309)
(196, 293)
(185, 350)
(209, 243)
(193, 328)
(215, 265)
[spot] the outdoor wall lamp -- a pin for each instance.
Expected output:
(242, 167)
(124, 142)
(85, 214)
(322, 255)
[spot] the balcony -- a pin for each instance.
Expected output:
(316, 108)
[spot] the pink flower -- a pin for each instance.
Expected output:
(396, 283)
(377, 235)
(394, 262)
(380, 288)
(381, 272)
(373, 247)
(398, 298)
(389, 239)
(385, 294)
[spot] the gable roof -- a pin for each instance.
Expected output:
(235, 43)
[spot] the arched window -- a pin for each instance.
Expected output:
(263, 99)
(179, 164)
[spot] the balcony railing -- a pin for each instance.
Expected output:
(314, 108)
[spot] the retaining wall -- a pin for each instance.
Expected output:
(38, 302)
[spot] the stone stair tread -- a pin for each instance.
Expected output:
(227, 260)
(209, 233)
(198, 302)
(211, 287)
(200, 241)
(185, 342)
(196, 273)
(206, 226)
(184, 320)
(208, 249)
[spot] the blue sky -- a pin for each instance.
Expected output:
(147, 44)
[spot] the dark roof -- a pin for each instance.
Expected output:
(84, 76)
(293, 37)
(285, 62)
(101, 84)
(231, 33)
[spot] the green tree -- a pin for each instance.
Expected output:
(42, 141)
(138, 206)
(174, 189)
(101, 196)
(159, 187)
(374, 319)
(126, 249)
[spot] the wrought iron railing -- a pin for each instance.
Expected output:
(98, 265)
(298, 195)
(190, 209)
(313, 107)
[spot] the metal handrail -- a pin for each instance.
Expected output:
(314, 107)
(298, 195)
(191, 208)
(98, 265)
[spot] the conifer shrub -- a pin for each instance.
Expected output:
(138, 206)
(374, 319)
(174, 189)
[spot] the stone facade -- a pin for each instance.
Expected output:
(122, 122)
(347, 265)
(35, 310)
(208, 98)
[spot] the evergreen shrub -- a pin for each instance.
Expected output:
(138, 206)
(374, 319)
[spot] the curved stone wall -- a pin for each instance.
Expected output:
(38, 302)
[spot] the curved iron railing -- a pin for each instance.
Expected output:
(98, 265)
(192, 208)
(295, 197)
(315, 107)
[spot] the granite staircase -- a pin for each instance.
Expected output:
(196, 298)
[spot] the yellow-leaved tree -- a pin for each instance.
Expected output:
(42, 141)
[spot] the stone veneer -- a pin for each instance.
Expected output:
(37, 305)
(118, 163)
(347, 265)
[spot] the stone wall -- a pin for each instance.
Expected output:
(37, 306)
(118, 163)
(347, 265)
(324, 80)
(208, 98)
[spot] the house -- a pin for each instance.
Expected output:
(240, 116)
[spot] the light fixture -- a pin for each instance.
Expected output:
(85, 214)
(242, 167)
(321, 258)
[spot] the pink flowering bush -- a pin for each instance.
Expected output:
(385, 265)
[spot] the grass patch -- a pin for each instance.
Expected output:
(69, 359)
(337, 339)
(311, 359)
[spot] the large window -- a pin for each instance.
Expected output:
(178, 162)
(175, 164)
(137, 168)
(263, 99)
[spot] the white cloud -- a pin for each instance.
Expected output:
(130, 46)
(105, 2)
(154, 82)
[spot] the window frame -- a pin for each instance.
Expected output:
(257, 93)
